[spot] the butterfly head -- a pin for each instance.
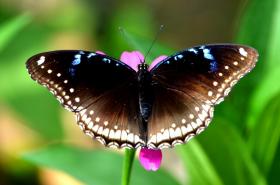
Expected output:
(143, 67)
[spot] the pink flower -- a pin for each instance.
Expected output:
(156, 61)
(133, 59)
(150, 159)
(100, 52)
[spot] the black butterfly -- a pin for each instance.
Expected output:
(156, 108)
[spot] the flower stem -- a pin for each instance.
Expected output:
(127, 165)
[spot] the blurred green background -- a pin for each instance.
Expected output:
(40, 142)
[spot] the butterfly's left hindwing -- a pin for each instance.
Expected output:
(188, 84)
(102, 91)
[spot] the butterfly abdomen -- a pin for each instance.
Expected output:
(146, 96)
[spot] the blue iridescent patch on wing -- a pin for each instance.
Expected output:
(77, 59)
(213, 66)
(207, 54)
(106, 60)
(72, 71)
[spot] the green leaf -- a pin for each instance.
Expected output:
(198, 165)
(156, 50)
(40, 111)
(126, 17)
(34, 105)
(265, 91)
(257, 24)
(9, 29)
(229, 154)
(273, 175)
(265, 137)
(96, 167)
(260, 27)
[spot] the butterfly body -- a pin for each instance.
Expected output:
(158, 106)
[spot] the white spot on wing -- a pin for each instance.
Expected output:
(243, 52)
(90, 55)
(191, 116)
(178, 57)
(193, 50)
(77, 99)
(41, 60)
(186, 129)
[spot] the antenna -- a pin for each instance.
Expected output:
(122, 31)
(128, 40)
(155, 39)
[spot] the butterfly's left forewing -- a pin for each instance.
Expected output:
(188, 84)
(101, 91)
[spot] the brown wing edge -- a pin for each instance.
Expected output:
(118, 139)
(184, 133)
(236, 76)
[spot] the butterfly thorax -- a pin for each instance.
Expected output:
(146, 95)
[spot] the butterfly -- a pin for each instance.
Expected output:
(156, 107)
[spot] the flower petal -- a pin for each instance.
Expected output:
(156, 61)
(150, 159)
(133, 59)
(100, 52)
